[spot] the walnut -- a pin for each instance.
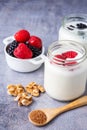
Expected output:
(12, 90)
(22, 94)
(34, 89)
(11, 86)
(28, 90)
(35, 92)
(20, 88)
(41, 88)
(26, 102)
(23, 99)
(12, 93)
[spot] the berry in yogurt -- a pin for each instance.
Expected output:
(76, 26)
(64, 56)
(70, 54)
(81, 26)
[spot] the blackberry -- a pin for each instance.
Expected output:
(70, 28)
(81, 26)
(11, 48)
(36, 51)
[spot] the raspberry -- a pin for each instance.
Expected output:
(35, 41)
(70, 54)
(60, 57)
(22, 51)
(70, 63)
(22, 36)
(64, 56)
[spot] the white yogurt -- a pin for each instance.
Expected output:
(65, 82)
(74, 28)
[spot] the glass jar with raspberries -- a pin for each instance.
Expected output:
(65, 70)
(25, 46)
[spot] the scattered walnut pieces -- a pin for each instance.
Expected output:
(34, 89)
(21, 93)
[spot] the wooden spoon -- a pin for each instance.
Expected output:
(41, 117)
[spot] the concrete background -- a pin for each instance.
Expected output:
(41, 18)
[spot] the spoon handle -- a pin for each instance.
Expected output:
(75, 104)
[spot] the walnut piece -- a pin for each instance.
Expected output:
(34, 89)
(23, 99)
(14, 90)
(41, 88)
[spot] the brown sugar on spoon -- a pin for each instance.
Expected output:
(38, 117)
(43, 116)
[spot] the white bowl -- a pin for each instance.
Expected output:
(22, 65)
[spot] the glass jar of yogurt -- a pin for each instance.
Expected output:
(74, 27)
(65, 70)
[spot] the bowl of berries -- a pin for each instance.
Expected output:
(24, 53)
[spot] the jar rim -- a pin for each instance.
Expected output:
(76, 17)
(69, 43)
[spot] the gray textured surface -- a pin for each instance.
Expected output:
(41, 18)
